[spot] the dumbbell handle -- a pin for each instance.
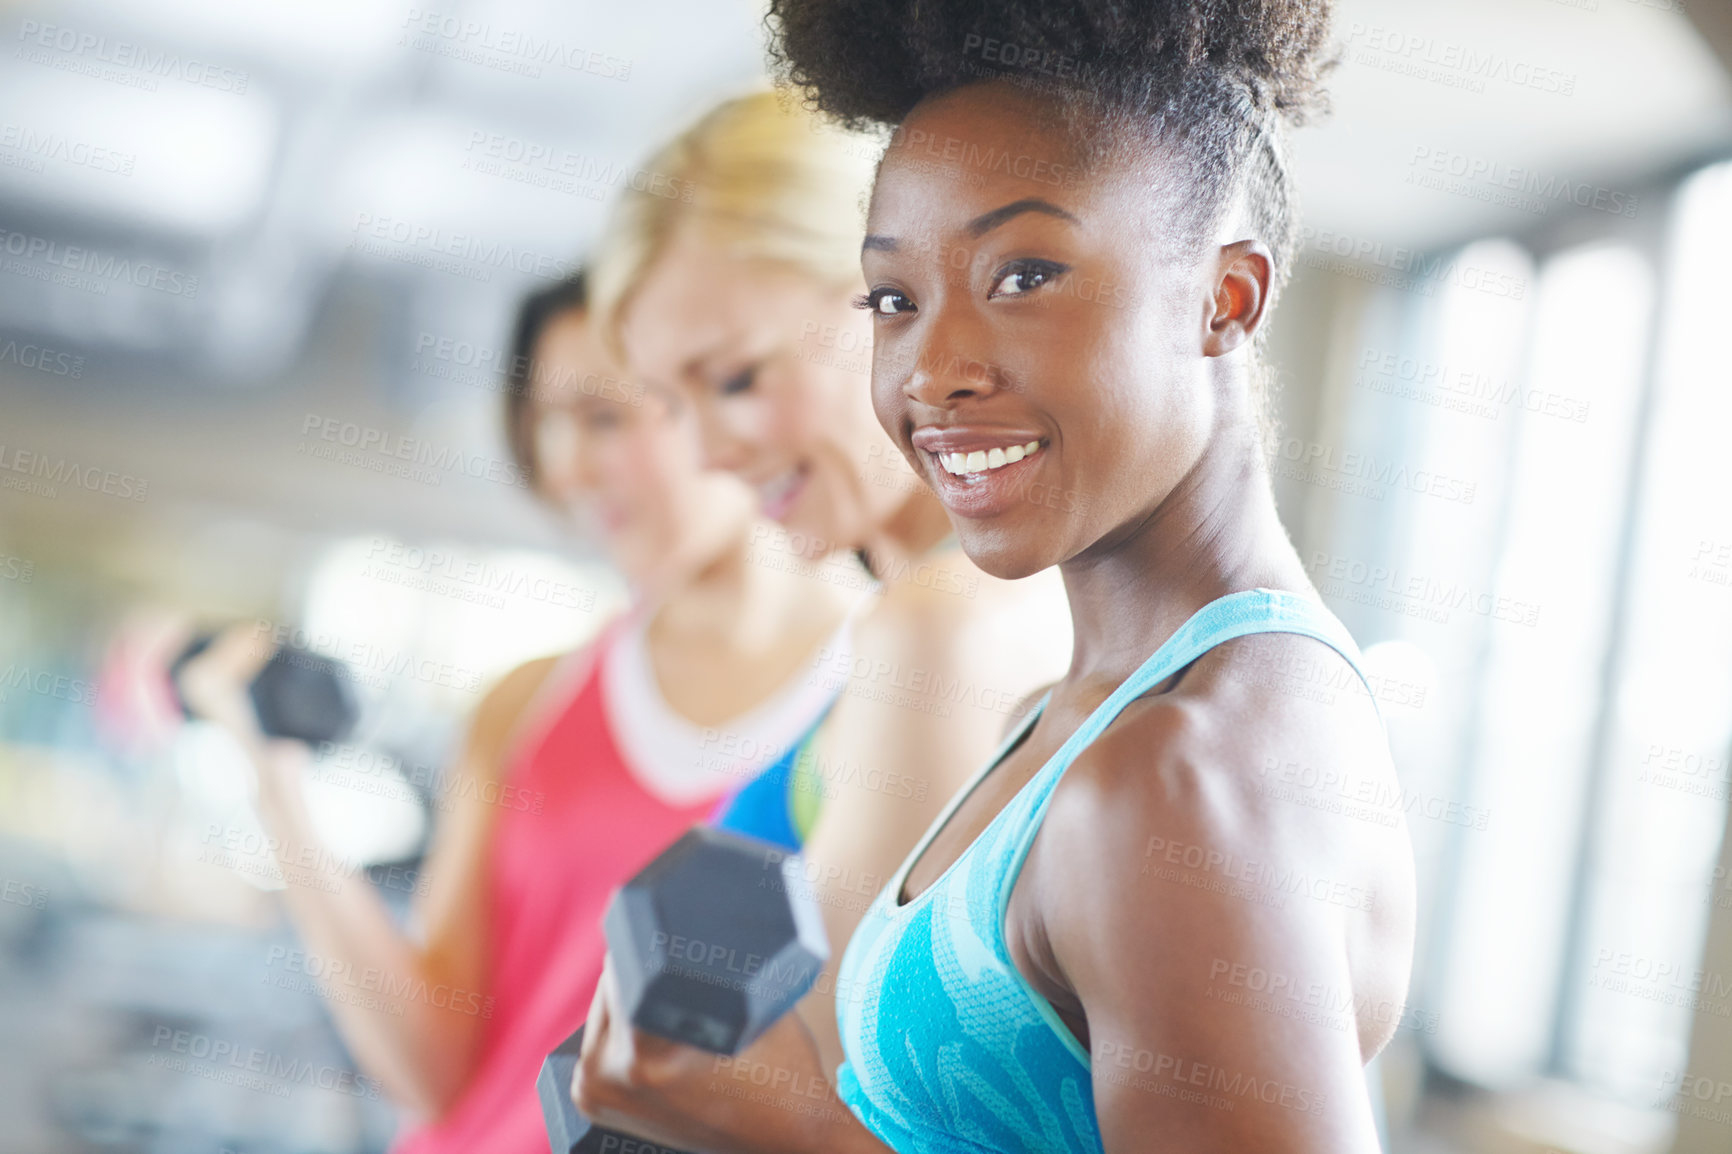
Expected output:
(569, 1132)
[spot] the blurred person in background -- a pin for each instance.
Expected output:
(737, 290)
(688, 708)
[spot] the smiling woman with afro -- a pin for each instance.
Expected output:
(1141, 926)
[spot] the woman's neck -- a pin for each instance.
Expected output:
(1216, 533)
(724, 600)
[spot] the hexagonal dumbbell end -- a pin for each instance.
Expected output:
(305, 696)
(569, 1132)
(714, 940)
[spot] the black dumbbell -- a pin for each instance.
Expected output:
(710, 943)
(305, 696)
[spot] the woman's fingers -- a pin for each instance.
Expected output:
(214, 684)
(586, 1073)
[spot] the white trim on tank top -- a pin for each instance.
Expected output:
(670, 756)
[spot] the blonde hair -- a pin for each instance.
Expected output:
(762, 177)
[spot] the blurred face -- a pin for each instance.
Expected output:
(1040, 339)
(624, 459)
(775, 365)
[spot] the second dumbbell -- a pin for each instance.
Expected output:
(712, 942)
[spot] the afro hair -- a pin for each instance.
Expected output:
(1216, 79)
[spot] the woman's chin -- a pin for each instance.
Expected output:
(813, 528)
(1003, 555)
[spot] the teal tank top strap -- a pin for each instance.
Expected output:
(1224, 619)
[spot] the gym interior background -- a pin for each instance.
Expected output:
(243, 247)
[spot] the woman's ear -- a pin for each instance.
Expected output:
(1243, 272)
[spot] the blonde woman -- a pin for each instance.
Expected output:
(738, 292)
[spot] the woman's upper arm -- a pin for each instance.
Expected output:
(1207, 947)
(925, 703)
(450, 907)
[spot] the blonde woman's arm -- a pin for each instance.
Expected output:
(938, 672)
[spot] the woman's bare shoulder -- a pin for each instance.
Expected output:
(1259, 788)
(503, 709)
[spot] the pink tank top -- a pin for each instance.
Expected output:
(551, 875)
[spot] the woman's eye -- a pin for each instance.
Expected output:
(740, 382)
(1025, 277)
(885, 302)
(603, 420)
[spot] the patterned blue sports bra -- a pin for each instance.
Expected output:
(949, 1049)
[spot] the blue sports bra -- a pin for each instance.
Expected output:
(949, 1049)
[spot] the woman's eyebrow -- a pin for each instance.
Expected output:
(698, 365)
(987, 221)
(982, 224)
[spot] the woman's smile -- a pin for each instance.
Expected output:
(980, 472)
(778, 494)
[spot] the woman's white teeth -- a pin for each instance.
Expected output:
(979, 461)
